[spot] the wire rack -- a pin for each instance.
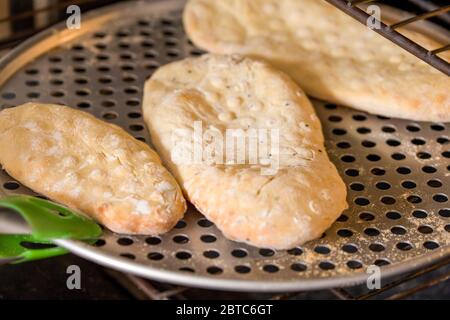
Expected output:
(391, 30)
(144, 289)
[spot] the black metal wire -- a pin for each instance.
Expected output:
(428, 55)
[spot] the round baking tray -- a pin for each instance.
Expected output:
(397, 171)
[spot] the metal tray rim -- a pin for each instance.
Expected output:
(97, 255)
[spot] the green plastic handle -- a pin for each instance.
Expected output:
(47, 221)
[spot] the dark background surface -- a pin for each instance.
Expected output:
(47, 279)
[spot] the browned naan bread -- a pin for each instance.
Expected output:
(89, 165)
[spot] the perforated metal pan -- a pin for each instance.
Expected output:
(397, 171)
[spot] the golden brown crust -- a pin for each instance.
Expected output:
(89, 165)
(327, 53)
(280, 211)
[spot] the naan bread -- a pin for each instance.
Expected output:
(280, 210)
(330, 55)
(89, 165)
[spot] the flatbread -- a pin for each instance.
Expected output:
(329, 54)
(91, 166)
(278, 209)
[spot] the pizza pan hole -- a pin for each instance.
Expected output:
(125, 241)
(413, 128)
(404, 246)
(393, 142)
(101, 46)
(404, 170)
(105, 80)
(153, 241)
(266, 252)
(360, 201)
(208, 238)
(373, 157)
(339, 132)
(393, 215)
(398, 230)
(82, 92)
(434, 183)
(204, 223)
(423, 155)
(322, 250)
(409, 184)
(343, 145)
(348, 159)
(295, 252)
(429, 169)
(110, 116)
(388, 200)
(32, 71)
(239, 253)
(359, 117)
(180, 239)
(437, 127)
(108, 103)
(79, 70)
(136, 127)
(271, 268)
(78, 59)
(134, 115)
(211, 254)
(32, 83)
(326, 265)
(127, 67)
(378, 171)
(131, 90)
(11, 185)
(106, 91)
(440, 197)
(376, 247)
(129, 78)
(354, 264)
(124, 45)
(298, 267)
(99, 243)
(155, 256)
(99, 35)
(33, 95)
(335, 118)
(104, 69)
(445, 213)
(187, 269)
(363, 130)
(368, 144)
(183, 255)
(133, 103)
(431, 245)
(352, 172)
(372, 232)
(414, 199)
(381, 262)
(366, 216)
(8, 95)
(398, 156)
(128, 256)
(342, 218)
(443, 140)
(214, 270)
(447, 227)
(55, 70)
(242, 269)
(345, 233)
(425, 229)
(57, 94)
(349, 248)
(388, 129)
(446, 154)
(419, 214)
(418, 142)
(180, 224)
